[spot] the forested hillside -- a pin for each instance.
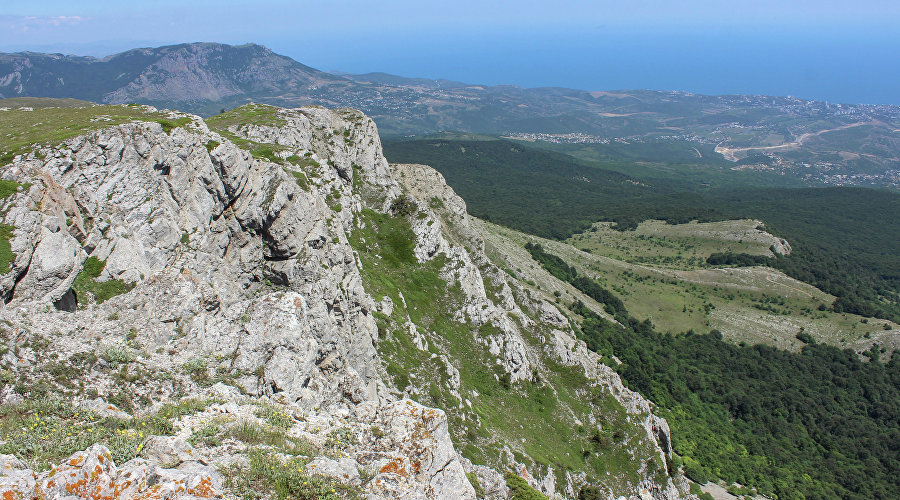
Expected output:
(844, 239)
(815, 424)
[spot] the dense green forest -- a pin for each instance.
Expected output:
(815, 424)
(844, 239)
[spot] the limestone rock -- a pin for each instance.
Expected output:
(492, 482)
(17, 481)
(93, 474)
(168, 451)
(345, 470)
(104, 409)
(421, 436)
(55, 263)
(247, 290)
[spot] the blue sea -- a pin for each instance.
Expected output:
(827, 64)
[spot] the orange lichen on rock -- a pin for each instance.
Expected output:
(395, 466)
(76, 488)
(204, 489)
(96, 477)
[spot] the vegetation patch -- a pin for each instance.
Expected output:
(302, 161)
(476, 484)
(520, 490)
(170, 124)
(301, 179)
(86, 282)
(275, 416)
(258, 114)
(9, 188)
(267, 476)
(44, 431)
(273, 437)
(259, 150)
(758, 416)
(7, 257)
(48, 125)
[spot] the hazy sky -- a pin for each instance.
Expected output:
(827, 49)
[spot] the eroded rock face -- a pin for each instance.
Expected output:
(244, 275)
(201, 232)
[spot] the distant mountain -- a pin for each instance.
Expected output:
(198, 76)
(838, 144)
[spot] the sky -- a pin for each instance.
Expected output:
(833, 50)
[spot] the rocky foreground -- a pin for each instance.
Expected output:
(255, 310)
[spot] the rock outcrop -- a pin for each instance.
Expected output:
(93, 474)
(173, 266)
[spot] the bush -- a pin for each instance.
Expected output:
(403, 206)
(473, 479)
(86, 283)
(275, 417)
(805, 338)
(696, 473)
(520, 490)
(267, 476)
(591, 493)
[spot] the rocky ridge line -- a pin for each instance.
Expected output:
(242, 270)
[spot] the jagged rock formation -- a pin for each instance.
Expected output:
(308, 294)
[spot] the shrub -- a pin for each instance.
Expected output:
(86, 282)
(520, 490)
(275, 417)
(473, 479)
(403, 206)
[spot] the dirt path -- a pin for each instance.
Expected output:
(730, 154)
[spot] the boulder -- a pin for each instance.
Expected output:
(168, 451)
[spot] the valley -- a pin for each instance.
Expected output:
(849, 254)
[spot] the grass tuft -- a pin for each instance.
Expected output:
(86, 283)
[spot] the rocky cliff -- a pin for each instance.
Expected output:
(260, 303)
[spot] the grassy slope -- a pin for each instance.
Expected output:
(753, 305)
(259, 114)
(681, 246)
(52, 121)
(536, 419)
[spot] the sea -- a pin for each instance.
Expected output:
(828, 64)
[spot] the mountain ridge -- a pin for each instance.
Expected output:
(261, 297)
(847, 144)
